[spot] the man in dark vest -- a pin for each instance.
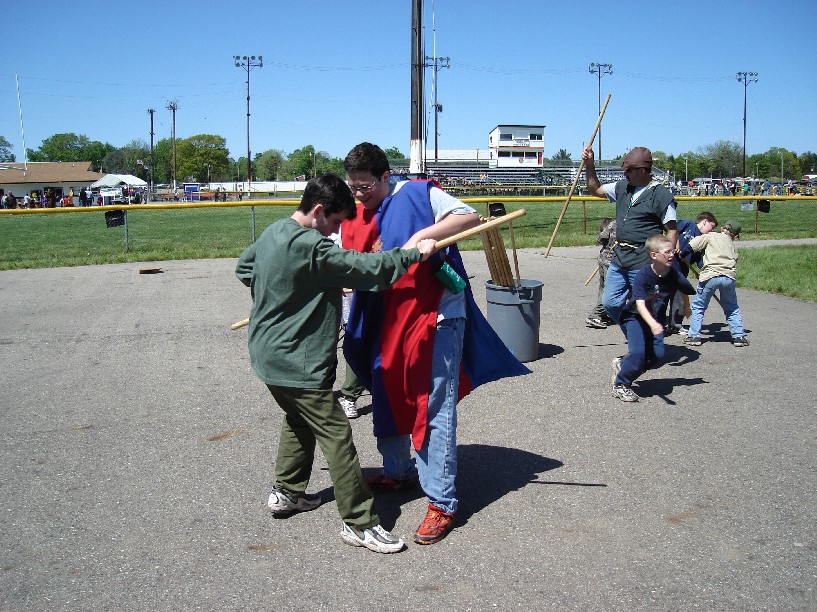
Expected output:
(643, 207)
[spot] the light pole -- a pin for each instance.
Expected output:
(745, 78)
(600, 69)
(173, 106)
(436, 64)
(248, 63)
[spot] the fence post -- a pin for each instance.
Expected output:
(252, 209)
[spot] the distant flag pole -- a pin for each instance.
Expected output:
(22, 131)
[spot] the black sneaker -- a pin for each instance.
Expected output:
(740, 341)
(595, 323)
(693, 340)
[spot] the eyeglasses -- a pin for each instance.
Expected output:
(631, 169)
(667, 252)
(363, 188)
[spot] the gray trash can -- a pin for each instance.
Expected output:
(513, 312)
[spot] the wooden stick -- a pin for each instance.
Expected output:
(515, 258)
(589, 278)
(578, 176)
(240, 324)
(482, 227)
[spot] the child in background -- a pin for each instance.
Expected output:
(719, 272)
(643, 317)
(598, 317)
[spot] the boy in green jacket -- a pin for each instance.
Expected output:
(297, 275)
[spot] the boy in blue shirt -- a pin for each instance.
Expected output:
(642, 319)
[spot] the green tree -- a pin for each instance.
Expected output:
(808, 162)
(301, 161)
(114, 162)
(269, 164)
(70, 147)
(5, 150)
(561, 158)
(724, 159)
(202, 157)
(393, 153)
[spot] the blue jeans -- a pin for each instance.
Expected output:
(729, 303)
(645, 351)
(617, 287)
(436, 460)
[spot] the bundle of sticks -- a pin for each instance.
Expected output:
(498, 264)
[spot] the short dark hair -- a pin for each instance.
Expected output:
(331, 191)
(367, 157)
(706, 216)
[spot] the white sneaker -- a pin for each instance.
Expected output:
(281, 504)
(374, 538)
(348, 407)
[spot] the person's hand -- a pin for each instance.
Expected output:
(427, 247)
(587, 154)
(656, 328)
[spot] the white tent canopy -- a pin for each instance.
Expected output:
(115, 180)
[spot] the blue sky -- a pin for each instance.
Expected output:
(338, 72)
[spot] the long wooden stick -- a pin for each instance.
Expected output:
(515, 258)
(589, 278)
(447, 242)
(578, 176)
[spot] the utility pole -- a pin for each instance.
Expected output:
(173, 106)
(746, 78)
(248, 62)
(600, 70)
(417, 146)
(436, 64)
(152, 158)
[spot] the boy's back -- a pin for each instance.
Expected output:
(720, 255)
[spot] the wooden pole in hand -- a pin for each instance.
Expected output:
(578, 175)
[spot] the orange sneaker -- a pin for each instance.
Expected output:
(435, 526)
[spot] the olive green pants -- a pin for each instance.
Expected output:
(313, 416)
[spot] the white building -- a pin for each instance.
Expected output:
(516, 146)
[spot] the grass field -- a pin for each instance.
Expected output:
(82, 238)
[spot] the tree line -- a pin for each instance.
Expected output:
(205, 158)
(724, 159)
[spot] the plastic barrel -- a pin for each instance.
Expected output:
(513, 312)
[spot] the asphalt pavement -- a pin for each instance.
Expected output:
(137, 449)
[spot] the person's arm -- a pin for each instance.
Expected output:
(684, 286)
(246, 264)
(451, 217)
(593, 184)
(699, 243)
(671, 228)
(655, 327)
(446, 227)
